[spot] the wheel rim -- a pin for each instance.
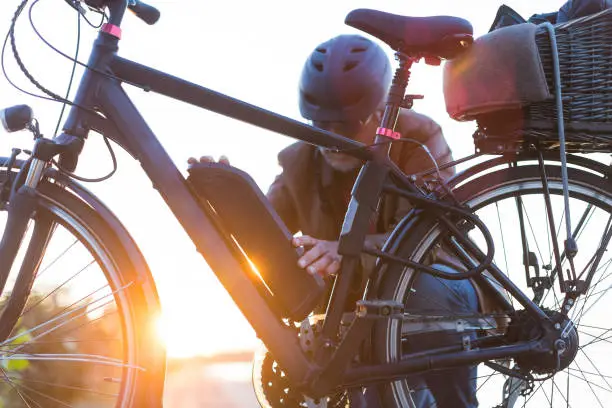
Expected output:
(73, 343)
(587, 381)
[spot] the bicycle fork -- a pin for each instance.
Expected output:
(21, 208)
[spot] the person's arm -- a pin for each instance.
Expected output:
(280, 198)
(424, 130)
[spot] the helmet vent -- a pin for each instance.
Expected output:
(349, 65)
(318, 66)
(322, 50)
(310, 99)
(357, 50)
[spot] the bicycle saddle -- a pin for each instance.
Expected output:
(440, 36)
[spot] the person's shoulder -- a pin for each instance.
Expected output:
(417, 125)
(410, 118)
(295, 153)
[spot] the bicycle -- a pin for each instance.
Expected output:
(311, 360)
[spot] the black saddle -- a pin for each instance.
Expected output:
(440, 36)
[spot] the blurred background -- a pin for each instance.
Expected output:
(253, 51)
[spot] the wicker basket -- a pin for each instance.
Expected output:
(585, 57)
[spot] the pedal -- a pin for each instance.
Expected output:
(379, 309)
(253, 226)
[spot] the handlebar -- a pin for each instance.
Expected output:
(145, 12)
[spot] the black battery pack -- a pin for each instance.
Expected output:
(251, 223)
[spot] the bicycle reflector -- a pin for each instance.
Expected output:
(16, 117)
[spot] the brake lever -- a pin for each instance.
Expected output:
(145, 12)
(76, 4)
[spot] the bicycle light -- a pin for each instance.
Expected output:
(16, 117)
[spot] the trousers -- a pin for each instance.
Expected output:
(448, 388)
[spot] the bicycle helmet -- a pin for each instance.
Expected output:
(344, 80)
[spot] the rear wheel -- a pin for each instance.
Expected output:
(510, 202)
(84, 331)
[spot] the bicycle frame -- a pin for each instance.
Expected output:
(100, 89)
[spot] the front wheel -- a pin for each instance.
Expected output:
(84, 334)
(510, 201)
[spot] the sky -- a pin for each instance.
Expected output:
(252, 51)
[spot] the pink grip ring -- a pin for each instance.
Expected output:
(388, 133)
(111, 29)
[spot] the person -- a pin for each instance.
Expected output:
(342, 89)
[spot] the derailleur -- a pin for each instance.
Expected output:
(514, 388)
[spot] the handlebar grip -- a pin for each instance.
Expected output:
(146, 13)
(16, 117)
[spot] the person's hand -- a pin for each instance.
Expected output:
(320, 257)
(208, 159)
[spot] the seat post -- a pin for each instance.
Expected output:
(395, 98)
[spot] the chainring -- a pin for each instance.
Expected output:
(274, 390)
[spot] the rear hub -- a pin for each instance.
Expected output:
(559, 344)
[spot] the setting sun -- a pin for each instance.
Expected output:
(184, 335)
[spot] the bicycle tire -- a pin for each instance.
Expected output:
(489, 191)
(130, 370)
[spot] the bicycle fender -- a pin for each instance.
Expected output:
(411, 219)
(156, 369)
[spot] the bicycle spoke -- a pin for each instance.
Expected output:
(566, 399)
(567, 382)
(550, 233)
(485, 381)
(32, 343)
(74, 324)
(87, 323)
(598, 254)
(596, 369)
(64, 252)
(589, 383)
(82, 358)
(593, 286)
(598, 339)
(546, 396)
(502, 238)
(67, 387)
(89, 295)
(536, 240)
(15, 388)
(27, 332)
(45, 395)
(535, 391)
(518, 191)
(583, 221)
(533, 234)
(583, 312)
(590, 373)
(57, 288)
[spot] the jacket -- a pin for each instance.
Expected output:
(310, 196)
